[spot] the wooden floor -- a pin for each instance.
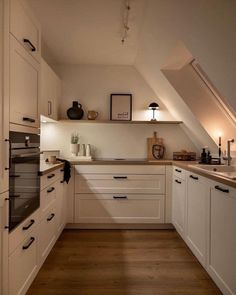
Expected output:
(127, 262)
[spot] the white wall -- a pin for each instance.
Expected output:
(92, 85)
(113, 140)
(207, 28)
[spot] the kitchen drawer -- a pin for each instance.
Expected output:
(117, 208)
(25, 27)
(47, 232)
(23, 230)
(120, 169)
(49, 178)
(179, 172)
(125, 183)
(23, 264)
(47, 197)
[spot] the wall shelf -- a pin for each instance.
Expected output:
(120, 122)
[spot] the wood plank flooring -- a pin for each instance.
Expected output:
(127, 262)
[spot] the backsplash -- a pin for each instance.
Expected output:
(113, 140)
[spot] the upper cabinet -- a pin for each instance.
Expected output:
(25, 57)
(25, 28)
(50, 92)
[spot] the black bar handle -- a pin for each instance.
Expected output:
(224, 190)
(50, 189)
(177, 181)
(50, 176)
(62, 170)
(29, 119)
(14, 176)
(177, 170)
(14, 196)
(120, 177)
(10, 145)
(33, 48)
(51, 217)
(193, 177)
(29, 225)
(32, 239)
(120, 197)
(62, 181)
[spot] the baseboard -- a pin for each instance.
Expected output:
(118, 226)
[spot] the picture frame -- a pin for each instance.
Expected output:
(121, 107)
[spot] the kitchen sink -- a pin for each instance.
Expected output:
(221, 170)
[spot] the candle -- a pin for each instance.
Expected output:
(219, 140)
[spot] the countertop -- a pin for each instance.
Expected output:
(46, 167)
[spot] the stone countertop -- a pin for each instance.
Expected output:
(46, 167)
(187, 165)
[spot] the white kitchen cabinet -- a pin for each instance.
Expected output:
(198, 192)
(25, 28)
(50, 92)
(23, 265)
(3, 243)
(24, 86)
(61, 204)
(4, 108)
(222, 243)
(179, 203)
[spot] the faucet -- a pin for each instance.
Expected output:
(228, 157)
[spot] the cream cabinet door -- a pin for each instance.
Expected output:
(222, 245)
(24, 86)
(196, 219)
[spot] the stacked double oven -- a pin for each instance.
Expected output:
(24, 182)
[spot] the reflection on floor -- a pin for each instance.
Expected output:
(127, 262)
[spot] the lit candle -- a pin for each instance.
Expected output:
(219, 140)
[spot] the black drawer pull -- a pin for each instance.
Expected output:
(177, 170)
(33, 48)
(51, 217)
(120, 177)
(14, 196)
(177, 181)
(32, 239)
(224, 190)
(28, 119)
(62, 170)
(193, 177)
(50, 176)
(120, 197)
(29, 225)
(50, 189)
(62, 181)
(14, 176)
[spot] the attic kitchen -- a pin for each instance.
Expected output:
(117, 147)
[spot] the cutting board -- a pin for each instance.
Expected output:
(153, 141)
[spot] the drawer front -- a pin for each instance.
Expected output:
(25, 28)
(107, 183)
(23, 230)
(179, 172)
(113, 208)
(47, 197)
(24, 86)
(49, 178)
(120, 169)
(23, 265)
(47, 232)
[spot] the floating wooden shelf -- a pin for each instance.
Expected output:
(121, 122)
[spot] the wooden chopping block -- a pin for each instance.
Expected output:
(153, 141)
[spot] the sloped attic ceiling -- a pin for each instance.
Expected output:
(89, 32)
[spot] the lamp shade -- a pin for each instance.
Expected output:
(153, 106)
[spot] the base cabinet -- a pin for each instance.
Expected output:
(222, 246)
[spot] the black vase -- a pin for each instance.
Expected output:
(75, 112)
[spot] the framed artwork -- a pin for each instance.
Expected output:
(121, 107)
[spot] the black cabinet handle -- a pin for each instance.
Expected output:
(50, 176)
(177, 181)
(29, 225)
(120, 177)
(28, 119)
(51, 189)
(62, 170)
(33, 48)
(51, 217)
(62, 181)
(177, 170)
(14, 196)
(193, 177)
(224, 190)
(120, 197)
(10, 158)
(32, 239)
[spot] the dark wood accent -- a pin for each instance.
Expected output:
(110, 262)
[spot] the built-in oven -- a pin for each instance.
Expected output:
(24, 179)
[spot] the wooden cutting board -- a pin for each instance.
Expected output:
(153, 141)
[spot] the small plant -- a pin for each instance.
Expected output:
(74, 138)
